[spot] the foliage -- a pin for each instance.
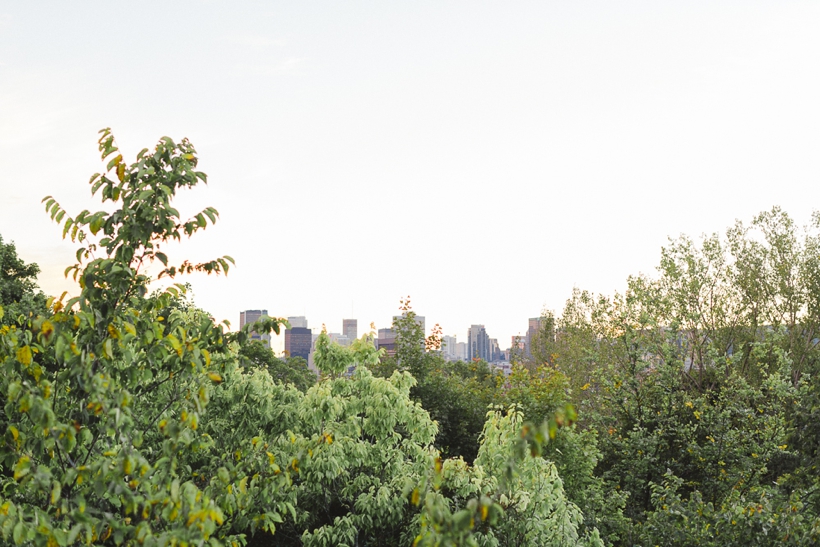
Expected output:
(290, 370)
(18, 290)
(701, 380)
(508, 497)
(103, 394)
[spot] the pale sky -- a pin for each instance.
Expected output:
(482, 157)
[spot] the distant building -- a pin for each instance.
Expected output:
(449, 348)
(341, 339)
(478, 343)
(461, 351)
(533, 329)
(298, 321)
(298, 342)
(350, 328)
(494, 353)
(387, 340)
(252, 316)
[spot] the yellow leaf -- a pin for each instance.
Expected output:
(215, 377)
(24, 355)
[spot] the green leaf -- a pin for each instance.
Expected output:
(68, 223)
(96, 224)
(114, 161)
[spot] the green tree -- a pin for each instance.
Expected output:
(290, 370)
(18, 288)
(93, 446)
(700, 379)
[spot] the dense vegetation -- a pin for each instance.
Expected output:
(131, 417)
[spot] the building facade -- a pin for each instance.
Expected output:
(298, 321)
(298, 342)
(350, 328)
(478, 343)
(387, 340)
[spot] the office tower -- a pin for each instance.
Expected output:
(461, 351)
(350, 328)
(478, 343)
(449, 348)
(494, 353)
(298, 321)
(298, 342)
(387, 341)
(532, 331)
(252, 316)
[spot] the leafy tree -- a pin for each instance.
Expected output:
(698, 385)
(290, 370)
(92, 447)
(18, 288)
(507, 497)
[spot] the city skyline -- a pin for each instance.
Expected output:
(484, 159)
(279, 343)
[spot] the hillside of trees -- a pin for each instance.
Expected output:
(683, 411)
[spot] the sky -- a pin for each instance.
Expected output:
(482, 157)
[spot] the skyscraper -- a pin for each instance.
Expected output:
(449, 348)
(298, 342)
(252, 316)
(387, 341)
(478, 343)
(350, 328)
(532, 331)
(298, 321)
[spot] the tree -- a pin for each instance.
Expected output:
(290, 370)
(696, 383)
(18, 288)
(93, 446)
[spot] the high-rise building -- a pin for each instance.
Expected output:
(252, 316)
(449, 348)
(387, 341)
(494, 353)
(298, 342)
(298, 321)
(532, 331)
(350, 328)
(461, 351)
(478, 343)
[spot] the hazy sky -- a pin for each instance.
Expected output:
(482, 157)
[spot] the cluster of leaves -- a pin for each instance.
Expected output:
(18, 290)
